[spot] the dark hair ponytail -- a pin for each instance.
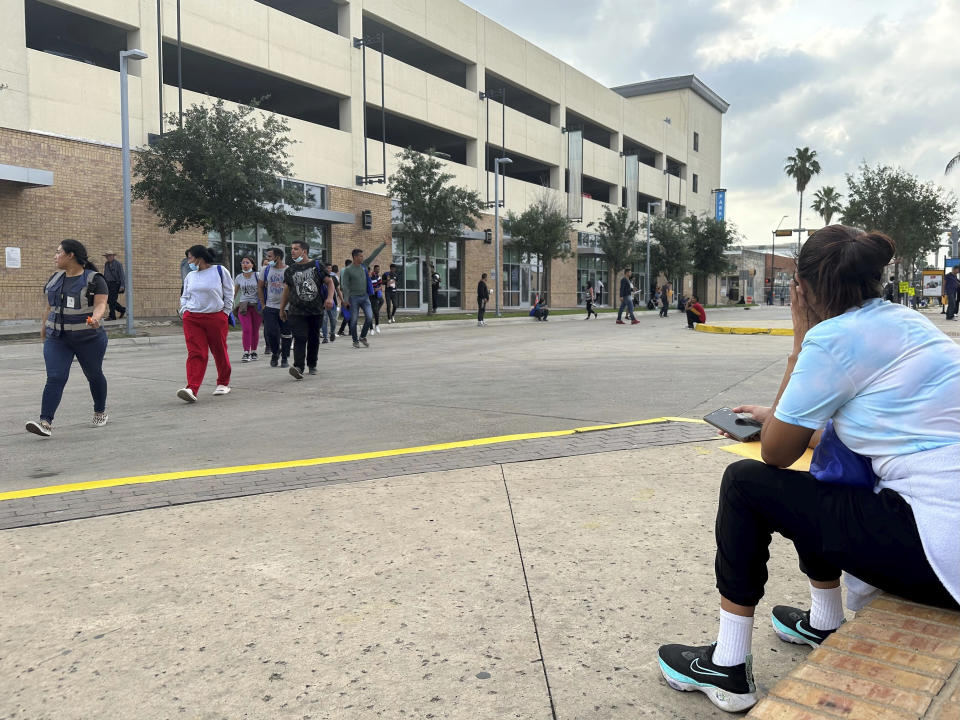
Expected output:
(202, 252)
(844, 267)
(79, 252)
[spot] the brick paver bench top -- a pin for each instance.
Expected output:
(895, 660)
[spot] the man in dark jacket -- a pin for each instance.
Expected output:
(952, 289)
(116, 284)
(626, 299)
(483, 295)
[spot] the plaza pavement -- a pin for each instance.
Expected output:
(450, 584)
(405, 597)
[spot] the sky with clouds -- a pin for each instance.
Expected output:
(855, 80)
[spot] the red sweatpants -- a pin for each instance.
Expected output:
(204, 331)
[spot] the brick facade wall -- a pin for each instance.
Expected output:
(84, 203)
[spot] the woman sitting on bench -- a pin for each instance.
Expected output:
(874, 368)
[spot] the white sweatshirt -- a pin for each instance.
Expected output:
(207, 291)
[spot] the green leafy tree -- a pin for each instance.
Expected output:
(617, 235)
(893, 201)
(671, 255)
(542, 230)
(431, 210)
(802, 167)
(826, 203)
(219, 171)
(708, 239)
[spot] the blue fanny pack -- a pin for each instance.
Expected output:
(834, 462)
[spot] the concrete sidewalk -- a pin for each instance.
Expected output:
(423, 596)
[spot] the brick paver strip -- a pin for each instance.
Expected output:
(46, 509)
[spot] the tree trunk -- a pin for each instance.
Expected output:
(800, 222)
(546, 289)
(431, 268)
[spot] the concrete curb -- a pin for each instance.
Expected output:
(731, 330)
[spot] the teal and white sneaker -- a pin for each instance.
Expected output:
(792, 625)
(687, 668)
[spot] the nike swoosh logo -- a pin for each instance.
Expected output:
(695, 667)
(808, 634)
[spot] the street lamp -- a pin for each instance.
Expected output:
(126, 55)
(646, 277)
(773, 258)
(497, 162)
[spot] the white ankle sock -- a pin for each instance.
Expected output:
(733, 640)
(826, 608)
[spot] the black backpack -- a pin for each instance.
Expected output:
(309, 289)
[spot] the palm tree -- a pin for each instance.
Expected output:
(952, 164)
(801, 167)
(826, 203)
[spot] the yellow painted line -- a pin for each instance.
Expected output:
(733, 330)
(310, 462)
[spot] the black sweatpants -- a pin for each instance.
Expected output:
(834, 527)
(481, 308)
(391, 303)
(306, 339)
(692, 318)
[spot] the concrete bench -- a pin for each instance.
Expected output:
(895, 660)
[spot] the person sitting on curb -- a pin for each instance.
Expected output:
(540, 311)
(898, 529)
(695, 311)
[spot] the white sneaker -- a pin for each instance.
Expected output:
(41, 428)
(376, 329)
(187, 395)
(99, 419)
(222, 390)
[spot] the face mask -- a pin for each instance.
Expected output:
(302, 258)
(193, 266)
(247, 272)
(271, 263)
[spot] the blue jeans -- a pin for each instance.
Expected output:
(329, 321)
(356, 303)
(626, 302)
(58, 354)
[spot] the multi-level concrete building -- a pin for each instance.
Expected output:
(452, 80)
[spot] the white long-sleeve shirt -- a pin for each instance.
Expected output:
(207, 291)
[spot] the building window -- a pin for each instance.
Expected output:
(521, 278)
(254, 242)
(413, 275)
(594, 269)
(696, 183)
(73, 36)
(696, 142)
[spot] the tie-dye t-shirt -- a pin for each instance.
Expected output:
(891, 382)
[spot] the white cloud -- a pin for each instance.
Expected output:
(860, 80)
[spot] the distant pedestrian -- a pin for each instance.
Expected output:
(666, 296)
(695, 312)
(76, 299)
(890, 289)
(205, 307)
(307, 291)
(483, 296)
(599, 291)
(435, 289)
(329, 321)
(391, 281)
(376, 299)
(626, 299)
(952, 288)
(356, 298)
(247, 305)
(346, 320)
(590, 297)
(277, 337)
(116, 285)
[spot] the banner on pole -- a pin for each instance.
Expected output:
(575, 171)
(631, 182)
(720, 209)
(932, 283)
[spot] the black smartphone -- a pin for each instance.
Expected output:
(739, 427)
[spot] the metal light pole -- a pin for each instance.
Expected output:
(126, 55)
(773, 259)
(497, 162)
(646, 277)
